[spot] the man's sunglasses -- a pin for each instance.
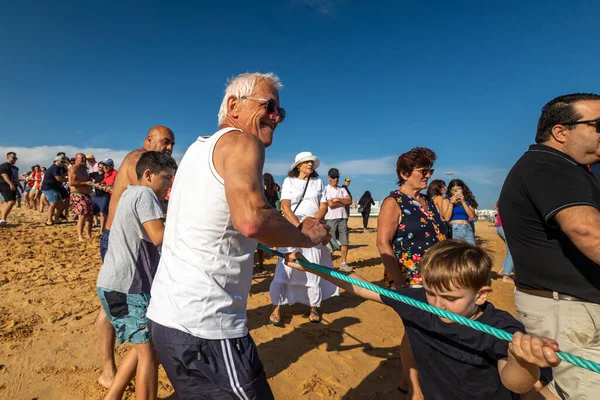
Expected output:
(426, 171)
(588, 122)
(335, 177)
(271, 106)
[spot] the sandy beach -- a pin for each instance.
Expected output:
(49, 304)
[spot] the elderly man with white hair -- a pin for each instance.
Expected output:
(217, 214)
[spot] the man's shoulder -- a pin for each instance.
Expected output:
(132, 157)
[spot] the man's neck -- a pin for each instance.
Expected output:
(334, 186)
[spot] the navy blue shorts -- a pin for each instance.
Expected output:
(227, 369)
(100, 204)
(104, 243)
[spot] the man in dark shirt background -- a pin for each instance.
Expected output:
(550, 205)
(9, 182)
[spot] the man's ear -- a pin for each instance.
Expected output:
(483, 295)
(560, 133)
(233, 106)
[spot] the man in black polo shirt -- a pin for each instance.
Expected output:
(550, 212)
(9, 182)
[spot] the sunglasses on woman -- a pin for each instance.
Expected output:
(271, 106)
(425, 171)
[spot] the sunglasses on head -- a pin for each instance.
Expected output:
(271, 106)
(587, 122)
(425, 171)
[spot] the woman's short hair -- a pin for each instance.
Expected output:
(419, 157)
(435, 188)
(456, 263)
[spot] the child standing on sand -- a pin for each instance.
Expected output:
(455, 361)
(129, 267)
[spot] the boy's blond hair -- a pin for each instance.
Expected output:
(456, 263)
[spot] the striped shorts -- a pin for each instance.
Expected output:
(210, 369)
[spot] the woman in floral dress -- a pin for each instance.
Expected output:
(409, 223)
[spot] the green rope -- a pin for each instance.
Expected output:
(500, 334)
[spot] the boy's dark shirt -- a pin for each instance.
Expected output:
(455, 361)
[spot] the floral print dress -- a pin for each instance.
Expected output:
(419, 229)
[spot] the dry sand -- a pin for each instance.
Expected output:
(49, 304)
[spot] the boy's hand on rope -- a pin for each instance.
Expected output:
(290, 260)
(535, 350)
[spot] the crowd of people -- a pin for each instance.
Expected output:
(80, 185)
(175, 281)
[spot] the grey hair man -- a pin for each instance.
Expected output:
(550, 206)
(217, 214)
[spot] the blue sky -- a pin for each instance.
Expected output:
(363, 81)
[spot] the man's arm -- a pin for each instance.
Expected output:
(239, 158)
(8, 181)
(61, 178)
(582, 225)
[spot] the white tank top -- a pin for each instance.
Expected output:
(204, 276)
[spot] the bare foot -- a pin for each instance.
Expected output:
(414, 395)
(106, 380)
(508, 279)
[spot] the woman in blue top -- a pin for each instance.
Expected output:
(463, 211)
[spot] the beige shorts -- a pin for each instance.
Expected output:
(575, 326)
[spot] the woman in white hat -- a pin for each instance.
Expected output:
(302, 195)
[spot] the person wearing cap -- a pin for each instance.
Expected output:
(93, 165)
(110, 174)
(337, 214)
(52, 185)
(217, 214)
(302, 195)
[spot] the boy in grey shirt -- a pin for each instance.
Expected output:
(130, 264)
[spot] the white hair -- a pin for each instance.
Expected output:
(243, 85)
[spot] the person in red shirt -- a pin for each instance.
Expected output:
(110, 174)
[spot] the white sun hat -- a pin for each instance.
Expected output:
(303, 157)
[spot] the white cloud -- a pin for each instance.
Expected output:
(44, 155)
(479, 174)
(377, 166)
(383, 166)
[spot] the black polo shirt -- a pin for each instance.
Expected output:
(543, 182)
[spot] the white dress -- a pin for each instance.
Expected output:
(289, 285)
